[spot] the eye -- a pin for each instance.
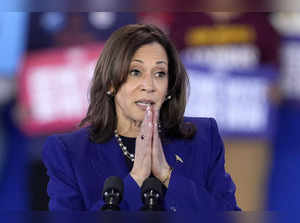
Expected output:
(134, 72)
(160, 74)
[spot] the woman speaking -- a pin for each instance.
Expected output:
(135, 128)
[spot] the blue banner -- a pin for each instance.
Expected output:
(13, 32)
(237, 99)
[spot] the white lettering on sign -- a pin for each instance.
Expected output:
(59, 91)
(239, 103)
(223, 57)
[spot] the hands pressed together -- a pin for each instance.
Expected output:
(149, 154)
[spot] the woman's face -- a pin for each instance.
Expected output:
(147, 84)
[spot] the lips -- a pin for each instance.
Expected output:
(143, 104)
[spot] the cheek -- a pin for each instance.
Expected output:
(119, 98)
(165, 89)
(123, 98)
(163, 92)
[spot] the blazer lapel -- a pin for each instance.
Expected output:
(110, 160)
(174, 155)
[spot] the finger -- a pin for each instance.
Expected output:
(155, 115)
(157, 152)
(149, 127)
(156, 139)
(148, 123)
(147, 118)
(155, 126)
(146, 132)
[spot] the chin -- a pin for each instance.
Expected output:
(139, 115)
(138, 118)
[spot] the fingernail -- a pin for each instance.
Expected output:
(148, 110)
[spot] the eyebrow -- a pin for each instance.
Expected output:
(158, 62)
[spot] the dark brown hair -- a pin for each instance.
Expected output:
(111, 72)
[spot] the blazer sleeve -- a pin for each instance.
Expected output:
(219, 183)
(62, 189)
(219, 191)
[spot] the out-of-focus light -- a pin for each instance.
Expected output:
(102, 20)
(288, 23)
(53, 21)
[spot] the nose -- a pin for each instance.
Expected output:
(147, 83)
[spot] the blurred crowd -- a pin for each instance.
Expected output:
(246, 43)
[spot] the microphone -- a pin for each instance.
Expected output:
(112, 193)
(152, 194)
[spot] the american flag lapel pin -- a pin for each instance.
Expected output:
(178, 158)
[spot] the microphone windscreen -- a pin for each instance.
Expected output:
(152, 183)
(113, 182)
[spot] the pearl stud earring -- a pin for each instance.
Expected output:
(169, 97)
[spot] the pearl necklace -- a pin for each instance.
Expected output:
(129, 155)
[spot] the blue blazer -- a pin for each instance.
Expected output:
(78, 168)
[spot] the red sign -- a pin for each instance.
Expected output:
(53, 88)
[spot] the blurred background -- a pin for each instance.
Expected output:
(244, 70)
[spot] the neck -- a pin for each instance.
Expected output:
(129, 129)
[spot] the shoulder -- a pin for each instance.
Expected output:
(70, 139)
(197, 120)
(204, 126)
(201, 150)
(207, 133)
(74, 144)
(207, 136)
(69, 149)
